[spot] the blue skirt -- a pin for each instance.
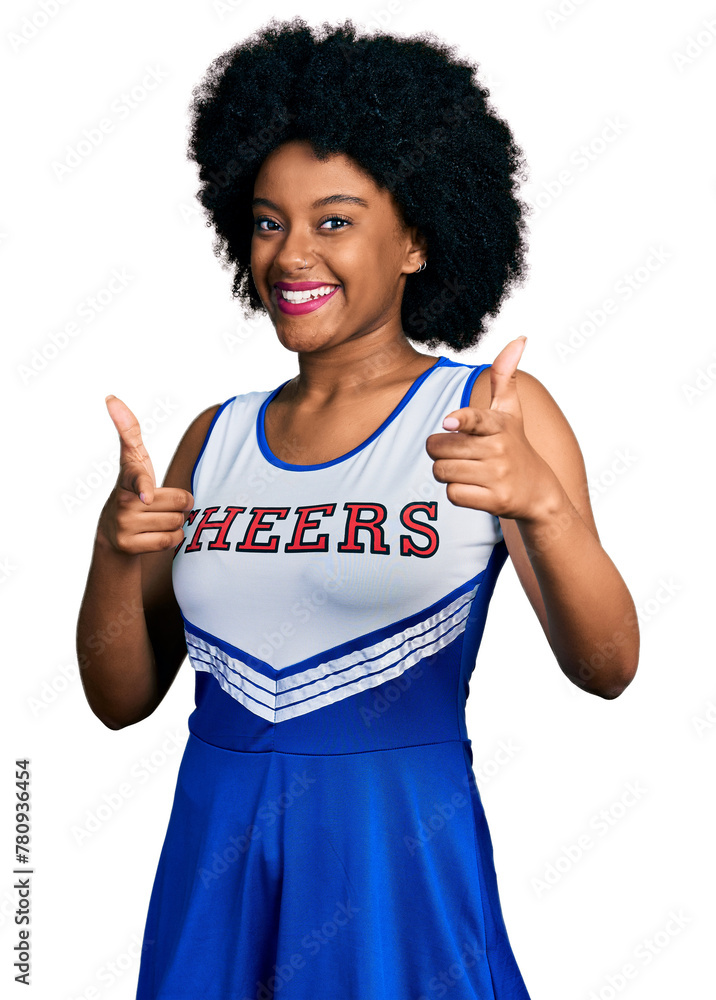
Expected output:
(352, 876)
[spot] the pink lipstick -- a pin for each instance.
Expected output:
(311, 304)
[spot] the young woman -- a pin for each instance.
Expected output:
(325, 551)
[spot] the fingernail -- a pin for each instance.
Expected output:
(450, 423)
(142, 498)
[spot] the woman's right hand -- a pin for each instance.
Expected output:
(140, 516)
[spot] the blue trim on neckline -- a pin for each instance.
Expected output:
(270, 457)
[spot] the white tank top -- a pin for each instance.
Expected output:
(283, 561)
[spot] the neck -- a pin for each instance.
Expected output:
(353, 366)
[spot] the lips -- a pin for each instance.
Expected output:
(298, 308)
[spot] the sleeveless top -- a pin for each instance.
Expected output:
(301, 586)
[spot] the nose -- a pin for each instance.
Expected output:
(293, 254)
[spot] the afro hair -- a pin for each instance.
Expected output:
(406, 110)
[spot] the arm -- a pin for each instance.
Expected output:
(130, 634)
(582, 602)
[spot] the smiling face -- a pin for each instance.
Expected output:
(332, 216)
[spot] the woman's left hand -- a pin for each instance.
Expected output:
(486, 459)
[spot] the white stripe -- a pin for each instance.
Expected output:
(338, 694)
(288, 697)
(252, 706)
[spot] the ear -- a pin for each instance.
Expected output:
(417, 249)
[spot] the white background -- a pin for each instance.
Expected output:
(161, 345)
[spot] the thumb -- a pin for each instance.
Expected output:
(136, 472)
(503, 381)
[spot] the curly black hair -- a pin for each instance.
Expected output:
(406, 110)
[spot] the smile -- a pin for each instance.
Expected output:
(305, 300)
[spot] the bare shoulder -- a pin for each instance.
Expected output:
(535, 399)
(156, 566)
(550, 434)
(187, 451)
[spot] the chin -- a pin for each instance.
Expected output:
(302, 343)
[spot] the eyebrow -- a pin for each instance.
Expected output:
(331, 199)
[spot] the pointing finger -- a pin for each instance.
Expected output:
(503, 381)
(136, 470)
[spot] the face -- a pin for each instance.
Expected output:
(333, 217)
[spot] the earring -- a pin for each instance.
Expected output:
(422, 267)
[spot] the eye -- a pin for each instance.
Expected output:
(272, 222)
(257, 224)
(336, 218)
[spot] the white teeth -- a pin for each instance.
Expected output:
(306, 296)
